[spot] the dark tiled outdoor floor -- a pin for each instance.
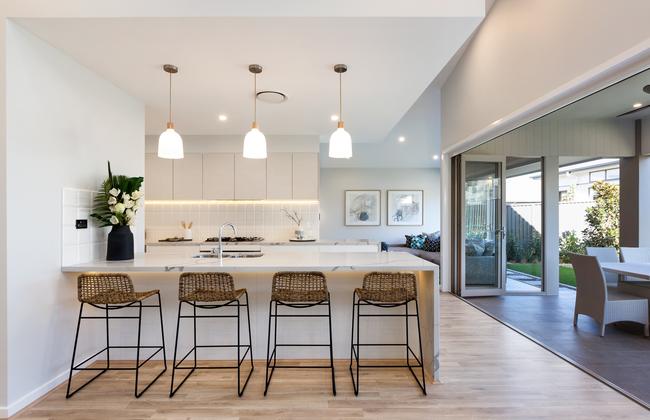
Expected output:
(622, 356)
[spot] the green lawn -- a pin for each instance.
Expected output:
(567, 276)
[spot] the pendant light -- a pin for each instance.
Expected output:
(340, 140)
(255, 142)
(170, 143)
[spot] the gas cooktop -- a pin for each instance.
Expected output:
(236, 239)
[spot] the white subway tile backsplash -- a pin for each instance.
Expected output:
(80, 245)
(251, 219)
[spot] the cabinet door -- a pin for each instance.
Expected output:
(218, 176)
(279, 169)
(188, 177)
(305, 176)
(158, 177)
(250, 178)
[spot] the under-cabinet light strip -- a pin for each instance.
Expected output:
(205, 202)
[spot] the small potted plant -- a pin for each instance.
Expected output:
(295, 218)
(116, 205)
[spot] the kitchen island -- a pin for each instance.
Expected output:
(344, 271)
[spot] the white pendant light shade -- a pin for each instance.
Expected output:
(255, 144)
(340, 140)
(170, 145)
(254, 141)
(340, 144)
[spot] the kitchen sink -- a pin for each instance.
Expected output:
(231, 254)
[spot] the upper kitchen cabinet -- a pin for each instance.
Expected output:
(188, 177)
(250, 178)
(158, 177)
(305, 176)
(279, 170)
(218, 176)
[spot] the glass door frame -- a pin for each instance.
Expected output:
(460, 239)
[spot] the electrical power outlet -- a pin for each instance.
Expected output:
(81, 224)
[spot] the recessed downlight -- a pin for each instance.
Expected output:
(334, 117)
(436, 157)
(223, 117)
(401, 139)
(637, 105)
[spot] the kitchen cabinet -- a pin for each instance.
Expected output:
(158, 177)
(218, 176)
(188, 177)
(228, 176)
(279, 176)
(250, 178)
(305, 176)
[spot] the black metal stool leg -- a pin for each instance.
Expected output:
(162, 332)
(69, 394)
(108, 347)
(241, 389)
(137, 351)
(424, 381)
(329, 318)
(172, 391)
(268, 352)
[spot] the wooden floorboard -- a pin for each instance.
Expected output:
(488, 371)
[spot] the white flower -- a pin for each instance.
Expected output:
(136, 195)
(136, 206)
(130, 222)
(126, 197)
(119, 208)
(112, 200)
(112, 209)
(114, 220)
(129, 204)
(129, 214)
(114, 192)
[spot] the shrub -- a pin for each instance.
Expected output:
(603, 217)
(570, 243)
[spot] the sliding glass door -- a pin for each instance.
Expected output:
(482, 233)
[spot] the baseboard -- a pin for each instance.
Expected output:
(25, 400)
(32, 396)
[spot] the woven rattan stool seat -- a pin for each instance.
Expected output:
(387, 287)
(108, 289)
(307, 286)
(207, 287)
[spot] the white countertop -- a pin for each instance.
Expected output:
(267, 243)
(274, 261)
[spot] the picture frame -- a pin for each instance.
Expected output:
(405, 207)
(362, 208)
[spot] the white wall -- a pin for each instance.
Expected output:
(334, 182)
(63, 123)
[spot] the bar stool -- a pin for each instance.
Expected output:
(386, 290)
(211, 291)
(109, 292)
(297, 290)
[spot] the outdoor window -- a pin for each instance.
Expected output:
(597, 176)
(613, 174)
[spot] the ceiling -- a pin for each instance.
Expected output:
(611, 101)
(391, 62)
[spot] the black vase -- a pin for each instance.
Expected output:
(120, 244)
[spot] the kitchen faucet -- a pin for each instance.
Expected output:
(234, 230)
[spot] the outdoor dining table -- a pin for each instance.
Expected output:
(641, 271)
